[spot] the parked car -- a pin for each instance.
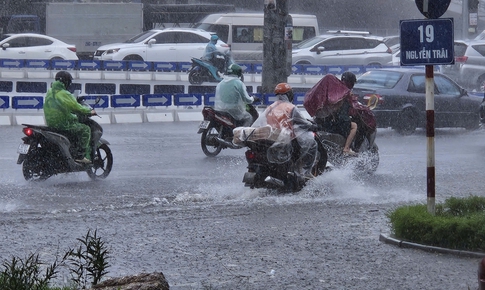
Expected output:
(469, 67)
(402, 100)
(342, 49)
(35, 46)
(393, 41)
(164, 45)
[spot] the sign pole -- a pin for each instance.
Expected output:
(430, 152)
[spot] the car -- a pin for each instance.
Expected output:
(342, 49)
(469, 67)
(393, 41)
(161, 45)
(35, 46)
(402, 100)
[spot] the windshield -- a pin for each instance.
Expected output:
(378, 79)
(141, 37)
(308, 43)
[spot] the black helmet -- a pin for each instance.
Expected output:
(65, 78)
(349, 79)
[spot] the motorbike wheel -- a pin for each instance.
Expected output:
(195, 77)
(102, 163)
(321, 163)
(33, 167)
(209, 144)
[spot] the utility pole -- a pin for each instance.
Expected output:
(274, 49)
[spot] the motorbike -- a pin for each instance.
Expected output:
(276, 165)
(204, 71)
(367, 158)
(217, 130)
(46, 151)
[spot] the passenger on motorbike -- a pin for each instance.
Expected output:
(211, 54)
(60, 109)
(285, 116)
(231, 97)
(340, 122)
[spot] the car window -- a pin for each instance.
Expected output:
(189, 37)
(417, 84)
(460, 49)
(445, 86)
(37, 41)
(18, 42)
(221, 30)
(166, 37)
(335, 44)
(480, 48)
(141, 37)
(379, 79)
(302, 32)
(308, 43)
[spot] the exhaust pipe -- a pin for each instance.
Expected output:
(274, 181)
(227, 143)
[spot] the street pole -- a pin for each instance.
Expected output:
(430, 149)
(274, 49)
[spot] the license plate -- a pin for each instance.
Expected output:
(204, 124)
(23, 148)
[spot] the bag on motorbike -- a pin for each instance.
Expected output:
(325, 96)
(243, 134)
(364, 113)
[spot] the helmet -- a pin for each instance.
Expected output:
(284, 89)
(65, 78)
(349, 79)
(214, 37)
(234, 69)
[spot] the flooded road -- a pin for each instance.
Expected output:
(166, 207)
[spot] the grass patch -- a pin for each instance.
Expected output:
(458, 223)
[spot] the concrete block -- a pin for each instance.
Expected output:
(295, 79)
(39, 75)
(190, 116)
(159, 117)
(105, 118)
(141, 76)
(165, 76)
(29, 119)
(5, 120)
(112, 75)
(13, 74)
(257, 78)
(91, 75)
(128, 117)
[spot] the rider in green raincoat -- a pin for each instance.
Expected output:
(60, 108)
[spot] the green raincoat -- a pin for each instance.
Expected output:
(60, 107)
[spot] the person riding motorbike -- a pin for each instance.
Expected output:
(211, 53)
(231, 97)
(341, 122)
(285, 116)
(60, 109)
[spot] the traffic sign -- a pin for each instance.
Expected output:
(188, 99)
(165, 66)
(36, 63)
(12, 63)
(432, 9)
(427, 42)
(125, 101)
(209, 99)
(115, 65)
(27, 102)
(62, 64)
(89, 64)
(298, 98)
(103, 102)
(139, 65)
(157, 100)
(4, 102)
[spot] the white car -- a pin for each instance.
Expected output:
(165, 45)
(35, 46)
(342, 49)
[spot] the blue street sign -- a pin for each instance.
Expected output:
(314, 69)
(62, 64)
(27, 102)
(259, 96)
(247, 68)
(188, 99)
(114, 65)
(165, 66)
(257, 68)
(139, 65)
(157, 100)
(297, 69)
(125, 101)
(89, 64)
(103, 102)
(184, 66)
(298, 98)
(269, 99)
(427, 42)
(36, 63)
(209, 99)
(12, 63)
(335, 69)
(4, 102)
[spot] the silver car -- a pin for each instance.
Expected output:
(469, 67)
(341, 49)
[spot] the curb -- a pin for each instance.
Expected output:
(404, 244)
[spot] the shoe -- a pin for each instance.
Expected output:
(350, 153)
(84, 161)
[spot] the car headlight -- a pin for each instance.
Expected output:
(113, 50)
